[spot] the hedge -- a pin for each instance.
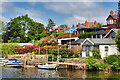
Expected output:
(8, 48)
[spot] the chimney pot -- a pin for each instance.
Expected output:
(79, 24)
(111, 12)
(86, 24)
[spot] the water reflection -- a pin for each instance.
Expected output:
(62, 73)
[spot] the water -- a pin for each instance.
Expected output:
(62, 73)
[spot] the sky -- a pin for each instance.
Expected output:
(67, 12)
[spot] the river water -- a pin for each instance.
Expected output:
(61, 73)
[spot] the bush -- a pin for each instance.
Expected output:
(8, 48)
(92, 64)
(111, 59)
(85, 35)
(115, 66)
(96, 53)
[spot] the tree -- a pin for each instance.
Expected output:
(50, 24)
(23, 27)
(98, 24)
(2, 26)
(63, 26)
(117, 40)
(34, 31)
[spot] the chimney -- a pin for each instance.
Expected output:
(111, 12)
(95, 22)
(64, 28)
(58, 28)
(79, 24)
(86, 24)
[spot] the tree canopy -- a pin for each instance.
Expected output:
(50, 24)
(23, 28)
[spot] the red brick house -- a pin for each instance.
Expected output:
(112, 18)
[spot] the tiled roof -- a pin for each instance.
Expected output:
(114, 16)
(100, 32)
(102, 41)
(79, 41)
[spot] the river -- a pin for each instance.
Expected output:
(61, 73)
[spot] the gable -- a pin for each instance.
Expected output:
(87, 42)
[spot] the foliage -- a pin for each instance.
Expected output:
(63, 26)
(115, 66)
(50, 24)
(104, 66)
(85, 35)
(8, 48)
(65, 53)
(23, 27)
(98, 25)
(91, 63)
(96, 53)
(117, 40)
(2, 26)
(111, 59)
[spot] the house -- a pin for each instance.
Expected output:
(111, 34)
(112, 18)
(106, 47)
(67, 39)
(83, 30)
(99, 34)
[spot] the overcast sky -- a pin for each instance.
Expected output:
(60, 12)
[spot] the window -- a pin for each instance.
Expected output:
(106, 48)
(113, 34)
(110, 21)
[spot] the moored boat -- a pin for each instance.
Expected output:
(47, 66)
(13, 63)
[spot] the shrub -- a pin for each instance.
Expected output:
(85, 35)
(96, 53)
(8, 48)
(111, 59)
(92, 64)
(115, 66)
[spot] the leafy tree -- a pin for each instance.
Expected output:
(117, 40)
(2, 26)
(63, 26)
(96, 53)
(34, 31)
(50, 24)
(98, 24)
(23, 27)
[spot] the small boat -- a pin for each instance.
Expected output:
(13, 63)
(2, 59)
(47, 66)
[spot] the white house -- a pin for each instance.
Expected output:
(106, 46)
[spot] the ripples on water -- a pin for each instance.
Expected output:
(61, 73)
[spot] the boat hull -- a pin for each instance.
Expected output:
(12, 65)
(47, 66)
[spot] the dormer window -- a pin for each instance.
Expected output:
(110, 21)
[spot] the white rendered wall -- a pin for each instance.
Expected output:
(59, 40)
(111, 50)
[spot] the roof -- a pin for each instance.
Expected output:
(100, 32)
(114, 16)
(115, 30)
(102, 41)
(23, 44)
(79, 41)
